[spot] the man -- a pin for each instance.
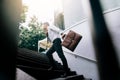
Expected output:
(53, 34)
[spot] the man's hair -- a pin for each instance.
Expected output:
(46, 23)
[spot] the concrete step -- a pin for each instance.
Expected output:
(41, 73)
(31, 58)
(37, 65)
(72, 77)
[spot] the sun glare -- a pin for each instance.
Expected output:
(43, 9)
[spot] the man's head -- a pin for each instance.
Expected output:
(46, 23)
(45, 26)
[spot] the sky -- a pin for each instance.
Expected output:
(43, 9)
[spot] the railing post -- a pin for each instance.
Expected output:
(105, 52)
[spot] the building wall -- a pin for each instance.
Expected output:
(81, 65)
(75, 19)
(73, 12)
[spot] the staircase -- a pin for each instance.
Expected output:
(37, 65)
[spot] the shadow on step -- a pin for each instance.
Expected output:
(37, 65)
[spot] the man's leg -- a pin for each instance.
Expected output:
(49, 55)
(58, 49)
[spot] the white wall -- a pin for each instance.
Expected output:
(73, 12)
(86, 63)
(76, 20)
(74, 17)
(81, 66)
(85, 47)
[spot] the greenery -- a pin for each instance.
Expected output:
(31, 33)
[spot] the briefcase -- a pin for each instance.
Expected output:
(71, 40)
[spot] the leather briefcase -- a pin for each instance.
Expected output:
(71, 40)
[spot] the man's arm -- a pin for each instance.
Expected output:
(63, 36)
(55, 29)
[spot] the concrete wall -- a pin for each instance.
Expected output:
(73, 12)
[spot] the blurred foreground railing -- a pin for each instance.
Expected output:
(105, 52)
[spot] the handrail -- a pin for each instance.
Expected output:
(76, 55)
(111, 10)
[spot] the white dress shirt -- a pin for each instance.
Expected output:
(53, 33)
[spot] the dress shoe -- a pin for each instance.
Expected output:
(51, 68)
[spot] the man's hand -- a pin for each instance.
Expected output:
(63, 35)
